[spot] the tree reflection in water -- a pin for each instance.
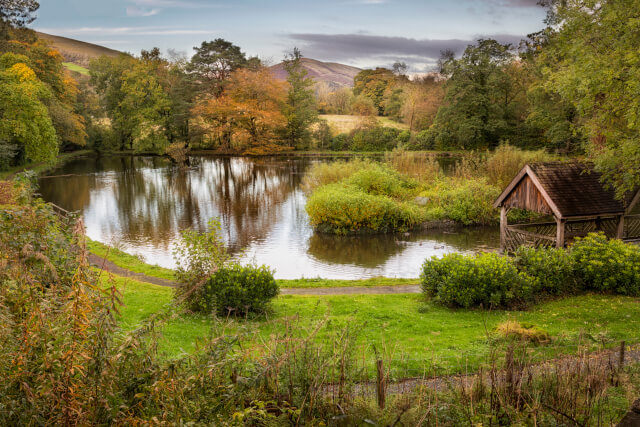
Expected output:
(143, 202)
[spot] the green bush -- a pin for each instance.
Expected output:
(607, 265)
(464, 201)
(591, 264)
(551, 270)
(488, 280)
(344, 209)
(235, 289)
(376, 138)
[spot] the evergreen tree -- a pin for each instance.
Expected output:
(300, 109)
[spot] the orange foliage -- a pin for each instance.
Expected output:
(247, 115)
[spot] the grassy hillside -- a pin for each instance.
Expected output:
(77, 52)
(345, 124)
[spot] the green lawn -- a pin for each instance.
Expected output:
(411, 332)
(75, 67)
(130, 262)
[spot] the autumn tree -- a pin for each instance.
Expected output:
(423, 97)
(300, 109)
(375, 85)
(26, 130)
(247, 116)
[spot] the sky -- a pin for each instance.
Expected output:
(362, 33)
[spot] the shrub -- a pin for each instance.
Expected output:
(235, 289)
(607, 265)
(488, 280)
(523, 332)
(339, 142)
(465, 201)
(377, 138)
(343, 209)
(198, 256)
(551, 270)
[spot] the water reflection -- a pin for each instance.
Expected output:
(142, 203)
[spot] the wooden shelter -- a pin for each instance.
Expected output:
(571, 193)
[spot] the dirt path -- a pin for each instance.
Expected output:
(106, 265)
(347, 290)
(353, 290)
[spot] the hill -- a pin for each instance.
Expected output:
(333, 74)
(77, 52)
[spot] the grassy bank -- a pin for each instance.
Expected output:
(41, 168)
(411, 333)
(137, 265)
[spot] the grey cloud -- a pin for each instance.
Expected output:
(362, 48)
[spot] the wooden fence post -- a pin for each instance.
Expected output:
(621, 360)
(380, 384)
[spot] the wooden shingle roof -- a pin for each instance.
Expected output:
(565, 189)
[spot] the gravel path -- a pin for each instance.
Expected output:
(107, 265)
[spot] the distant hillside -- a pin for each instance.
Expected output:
(77, 52)
(335, 75)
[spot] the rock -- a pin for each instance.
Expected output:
(422, 201)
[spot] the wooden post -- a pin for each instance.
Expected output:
(560, 223)
(380, 384)
(503, 229)
(621, 360)
(620, 229)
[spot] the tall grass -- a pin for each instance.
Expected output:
(328, 173)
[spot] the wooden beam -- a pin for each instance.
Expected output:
(633, 202)
(620, 229)
(503, 228)
(560, 224)
(542, 191)
(501, 198)
(531, 234)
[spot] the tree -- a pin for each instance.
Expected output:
(214, 62)
(300, 109)
(422, 98)
(375, 85)
(481, 98)
(248, 115)
(592, 62)
(24, 119)
(135, 102)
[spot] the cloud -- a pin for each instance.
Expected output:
(363, 48)
(130, 31)
(138, 11)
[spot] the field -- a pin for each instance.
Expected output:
(345, 124)
(411, 333)
(77, 68)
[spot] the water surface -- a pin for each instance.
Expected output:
(140, 204)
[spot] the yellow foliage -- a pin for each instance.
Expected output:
(23, 72)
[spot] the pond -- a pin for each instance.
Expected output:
(141, 203)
